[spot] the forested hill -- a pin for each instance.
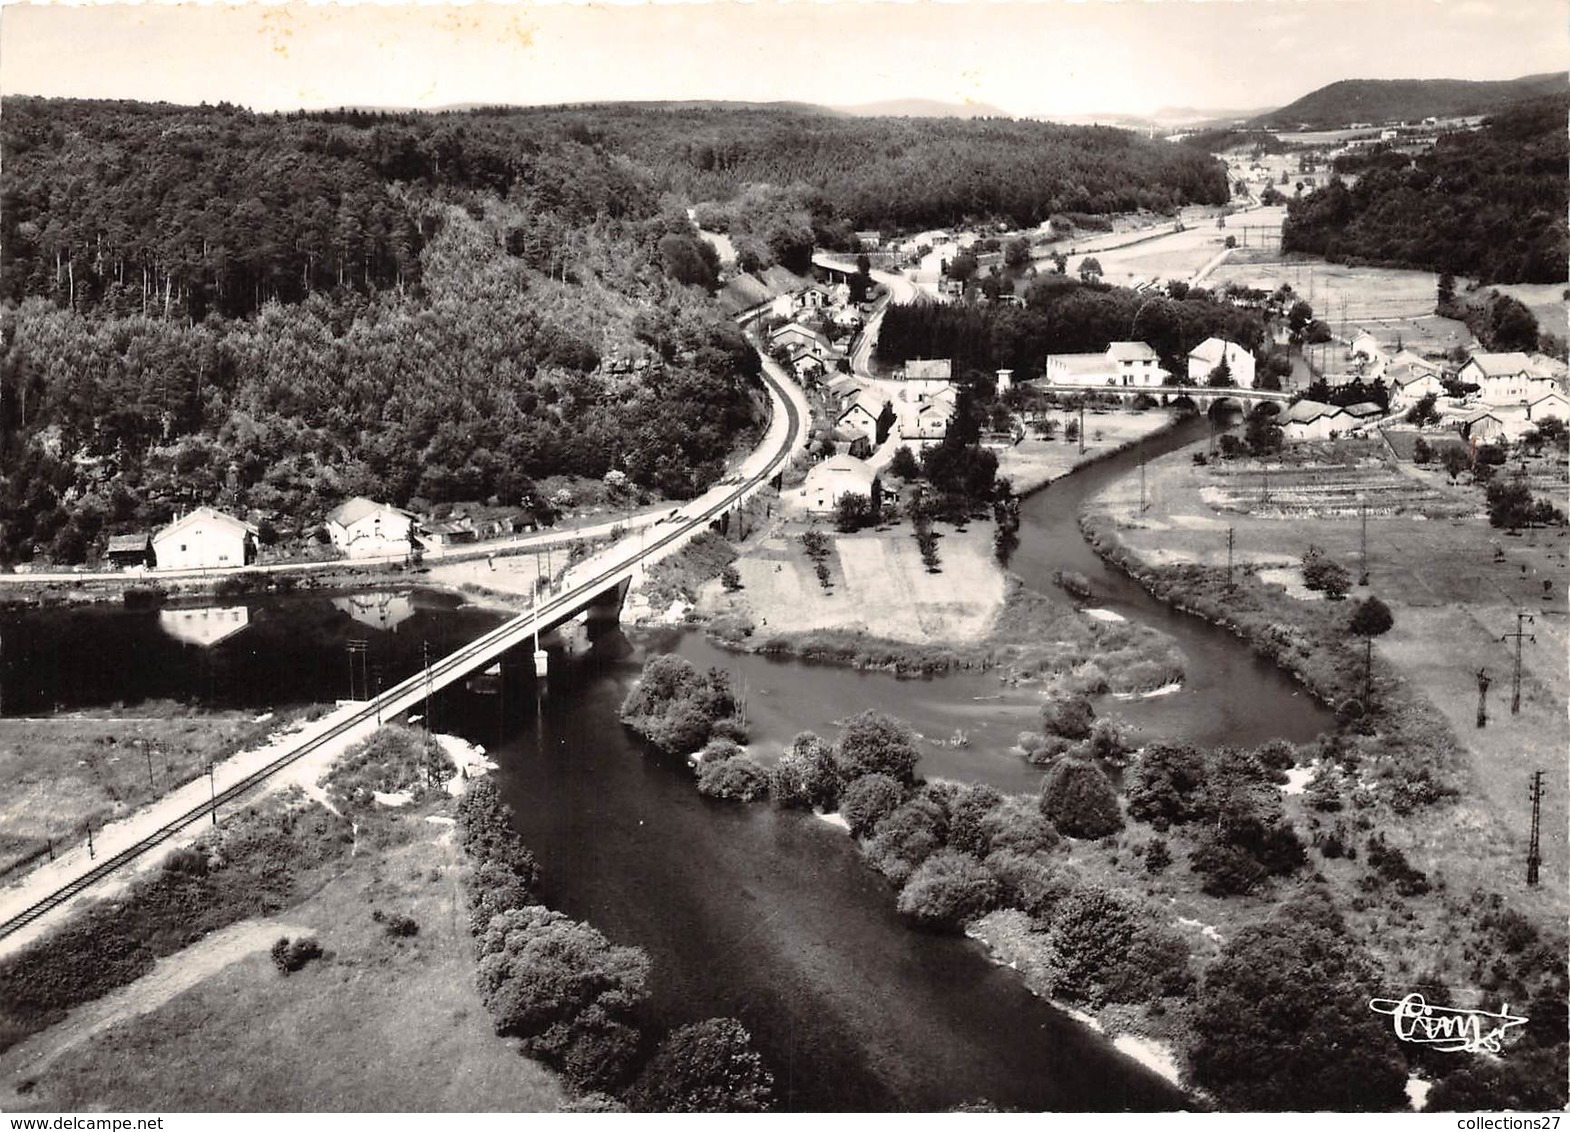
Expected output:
(271, 314)
(1405, 100)
(907, 173)
(1489, 203)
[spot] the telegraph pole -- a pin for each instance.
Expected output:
(1520, 635)
(425, 656)
(212, 790)
(357, 647)
(1483, 681)
(1534, 855)
(1231, 535)
(1081, 424)
(1363, 577)
(1142, 477)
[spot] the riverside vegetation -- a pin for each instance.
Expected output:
(1095, 891)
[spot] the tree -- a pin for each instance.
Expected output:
(538, 968)
(1370, 618)
(852, 512)
(739, 779)
(805, 777)
(1445, 293)
(1165, 784)
(1293, 992)
(905, 838)
(1422, 451)
(1455, 459)
(1425, 411)
(1078, 799)
(1511, 324)
(903, 464)
(874, 743)
(1102, 947)
(709, 1066)
(1262, 434)
(1221, 376)
(1016, 252)
(1325, 576)
(1509, 504)
(947, 890)
(1069, 716)
(1090, 269)
(868, 800)
(963, 266)
(887, 419)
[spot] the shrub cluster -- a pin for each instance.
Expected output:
(678, 709)
(289, 956)
(1230, 797)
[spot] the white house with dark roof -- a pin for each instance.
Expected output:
(1313, 420)
(1550, 404)
(363, 528)
(1206, 356)
(1501, 378)
(205, 539)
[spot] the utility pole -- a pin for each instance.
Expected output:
(1231, 535)
(1534, 855)
(148, 751)
(90, 853)
(357, 647)
(1082, 424)
(1142, 477)
(212, 790)
(425, 657)
(1483, 681)
(1521, 618)
(1363, 577)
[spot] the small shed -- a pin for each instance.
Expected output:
(129, 552)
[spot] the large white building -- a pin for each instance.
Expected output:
(1506, 379)
(1129, 364)
(1205, 357)
(205, 539)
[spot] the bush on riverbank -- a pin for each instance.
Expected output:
(678, 709)
(1078, 799)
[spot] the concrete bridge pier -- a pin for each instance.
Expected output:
(604, 612)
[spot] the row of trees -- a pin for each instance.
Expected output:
(1489, 203)
(1061, 315)
(571, 994)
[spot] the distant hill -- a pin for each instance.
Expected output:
(922, 108)
(1392, 100)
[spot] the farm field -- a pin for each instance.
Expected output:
(1455, 585)
(1546, 302)
(878, 586)
(1390, 303)
(63, 772)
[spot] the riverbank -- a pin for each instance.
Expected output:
(1443, 795)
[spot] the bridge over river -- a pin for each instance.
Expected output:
(596, 586)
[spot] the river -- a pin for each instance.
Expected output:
(766, 916)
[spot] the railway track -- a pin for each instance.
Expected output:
(444, 671)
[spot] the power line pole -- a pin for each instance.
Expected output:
(212, 789)
(425, 657)
(1534, 855)
(1141, 477)
(1231, 535)
(1363, 577)
(1082, 424)
(1483, 681)
(1520, 635)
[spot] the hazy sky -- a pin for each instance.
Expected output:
(1052, 57)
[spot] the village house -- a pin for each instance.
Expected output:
(1485, 424)
(1411, 378)
(205, 539)
(1132, 364)
(1204, 358)
(869, 240)
(363, 528)
(1504, 378)
(1550, 404)
(449, 533)
(834, 478)
(927, 369)
(861, 415)
(1313, 420)
(851, 439)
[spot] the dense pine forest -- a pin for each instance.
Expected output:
(274, 312)
(1489, 204)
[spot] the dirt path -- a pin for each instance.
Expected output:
(171, 976)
